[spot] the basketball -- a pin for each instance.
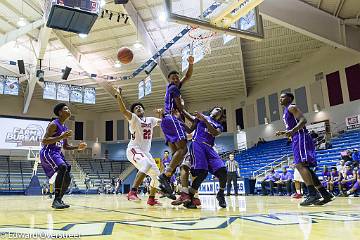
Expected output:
(125, 55)
(11, 86)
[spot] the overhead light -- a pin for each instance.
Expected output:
(137, 45)
(83, 35)
(266, 121)
(117, 64)
(316, 108)
(102, 3)
(162, 17)
(22, 22)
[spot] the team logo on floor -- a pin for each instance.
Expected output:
(74, 230)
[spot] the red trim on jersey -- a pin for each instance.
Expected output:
(133, 151)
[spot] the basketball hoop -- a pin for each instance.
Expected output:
(201, 37)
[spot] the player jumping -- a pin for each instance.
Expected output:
(204, 158)
(173, 127)
(138, 150)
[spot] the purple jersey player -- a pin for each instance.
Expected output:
(204, 158)
(356, 185)
(52, 159)
(173, 127)
(303, 150)
(165, 163)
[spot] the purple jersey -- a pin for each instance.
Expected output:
(202, 135)
(302, 144)
(172, 92)
(335, 175)
(166, 161)
(286, 176)
(271, 177)
(326, 175)
(50, 155)
(60, 128)
(290, 121)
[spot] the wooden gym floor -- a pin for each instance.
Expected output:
(113, 217)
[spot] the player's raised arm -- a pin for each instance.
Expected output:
(116, 93)
(189, 71)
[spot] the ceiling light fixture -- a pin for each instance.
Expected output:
(21, 22)
(83, 35)
(117, 64)
(137, 45)
(162, 17)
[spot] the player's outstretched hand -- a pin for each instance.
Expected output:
(199, 116)
(82, 146)
(66, 134)
(191, 60)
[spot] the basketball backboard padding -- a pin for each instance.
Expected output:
(199, 14)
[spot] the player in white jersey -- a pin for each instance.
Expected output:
(138, 150)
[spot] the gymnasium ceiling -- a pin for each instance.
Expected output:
(242, 64)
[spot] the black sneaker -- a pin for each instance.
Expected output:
(221, 198)
(65, 205)
(165, 184)
(310, 200)
(57, 204)
(190, 205)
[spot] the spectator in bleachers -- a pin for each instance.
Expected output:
(45, 187)
(341, 166)
(260, 141)
(314, 135)
(356, 157)
(87, 182)
(285, 179)
(348, 178)
(269, 180)
(356, 185)
(346, 155)
(334, 180)
(325, 177)
(117, 185)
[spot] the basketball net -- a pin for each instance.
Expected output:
(201, 37)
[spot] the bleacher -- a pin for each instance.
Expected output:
(264, 154)
(15, 175)
(102, 169)
(257, 157)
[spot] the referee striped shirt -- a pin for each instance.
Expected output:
(232, 166)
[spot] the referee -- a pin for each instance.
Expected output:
(233, 172)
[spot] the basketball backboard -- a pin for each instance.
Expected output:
(233, 17)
